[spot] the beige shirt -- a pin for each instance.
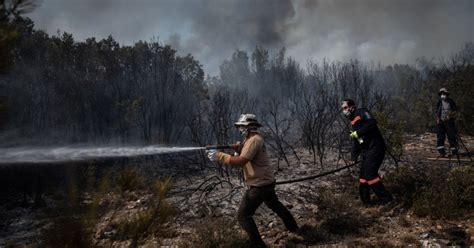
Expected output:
(257, 172)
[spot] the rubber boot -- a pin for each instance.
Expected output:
(380, 191)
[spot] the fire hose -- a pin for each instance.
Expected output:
(218, 147)
(296, 180)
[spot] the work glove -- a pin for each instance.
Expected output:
(452, 115)
(354, 135)
(216, 156)
(212, 155)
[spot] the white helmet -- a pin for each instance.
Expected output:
(247, 120)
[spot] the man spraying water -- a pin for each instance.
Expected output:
(258, 176)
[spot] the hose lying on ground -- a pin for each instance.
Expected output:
(316, 176)
(209, 147)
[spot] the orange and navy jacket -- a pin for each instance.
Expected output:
(366, 126)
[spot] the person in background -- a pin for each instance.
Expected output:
(445, 126)
(368, 141)
(259, 178)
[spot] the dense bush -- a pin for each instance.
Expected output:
(435, 192)
(448, 194)
(403, 183)
(391, 129)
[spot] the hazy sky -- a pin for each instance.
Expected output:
(396, 31)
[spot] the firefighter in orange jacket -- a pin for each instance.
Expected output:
(368, 142)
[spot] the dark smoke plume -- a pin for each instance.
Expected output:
(375, 30)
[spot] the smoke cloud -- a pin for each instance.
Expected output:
(372, 30)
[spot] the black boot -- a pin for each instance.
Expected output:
(364, 193)
(454, 151)
(383, 195)
(442, 152)
(248, 224)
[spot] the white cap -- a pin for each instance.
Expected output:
(443, 90)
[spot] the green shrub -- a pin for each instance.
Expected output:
(448, 195)
(461, 179)
(434, 191)
(391, 130)
(403, 182)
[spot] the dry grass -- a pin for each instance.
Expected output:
(213, 233)
(149, 222)
(409, 239)
(338, 214)
(129, 180)
(309, 235)
(74, 223)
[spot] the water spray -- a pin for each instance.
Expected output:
(64, 154)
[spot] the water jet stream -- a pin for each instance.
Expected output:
(64, 154)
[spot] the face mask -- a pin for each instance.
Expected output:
(346, 110)
(443, 96)
(347, 113)
(244, 132)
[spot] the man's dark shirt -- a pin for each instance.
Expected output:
(439, 107)
(366, 127)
